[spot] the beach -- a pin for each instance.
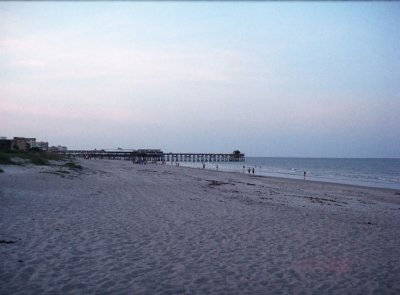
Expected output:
(118, 228)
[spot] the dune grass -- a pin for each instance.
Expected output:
(35, 158)
(5, 159)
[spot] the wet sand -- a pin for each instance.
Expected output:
(119, 228)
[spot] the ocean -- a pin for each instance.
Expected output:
(382, 173)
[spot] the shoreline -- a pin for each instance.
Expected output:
(382, 173)
(290, 179)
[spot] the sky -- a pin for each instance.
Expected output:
(291, 79)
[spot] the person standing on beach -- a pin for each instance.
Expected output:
(305, 173)
(253, 170)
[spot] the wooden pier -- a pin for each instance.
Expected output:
(155, 155)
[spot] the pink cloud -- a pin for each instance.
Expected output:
(54, 114)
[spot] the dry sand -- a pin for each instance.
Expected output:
(119, 228)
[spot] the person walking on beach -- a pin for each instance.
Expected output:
(305, 173)
(249, 170)
(253, 170)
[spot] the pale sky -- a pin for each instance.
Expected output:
(302, 79)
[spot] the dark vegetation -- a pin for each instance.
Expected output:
(33, 157)
(5, 159)
(6, 242)
(72, 165)
(215, 183)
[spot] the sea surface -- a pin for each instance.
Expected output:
(382, 173)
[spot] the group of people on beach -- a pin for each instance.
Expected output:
(251, 170)
(248, 170)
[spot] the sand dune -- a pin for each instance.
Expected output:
(118, 228)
